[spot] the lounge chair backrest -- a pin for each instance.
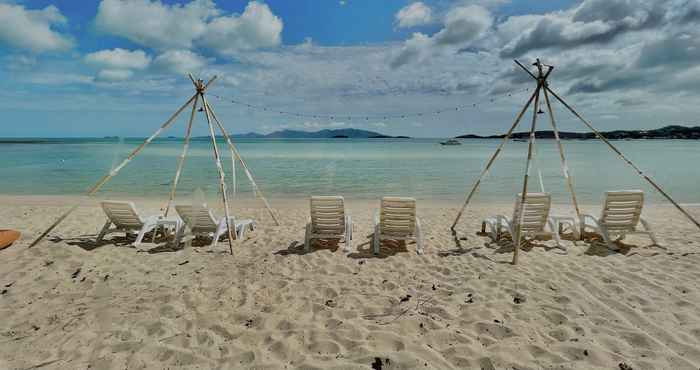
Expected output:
(397, 216)
(328, 215)
(122, 214)
(198, 218)
(535, 212)
(622, 210)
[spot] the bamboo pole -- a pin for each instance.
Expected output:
(523, 195)
(181, 162)
(622, 156)
(564, 166)
(222, 176)
(491, 160)
(232, 147)
(113, 172)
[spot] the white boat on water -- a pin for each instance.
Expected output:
(451, 142)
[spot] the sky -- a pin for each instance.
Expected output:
(119, 67)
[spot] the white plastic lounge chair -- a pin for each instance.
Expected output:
(201, 221)
(328, 221)
(534, 221)
(397, 220)
(125, 219)
(620, 216)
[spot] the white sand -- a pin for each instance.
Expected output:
(272, 306)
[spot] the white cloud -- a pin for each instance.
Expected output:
(462, 26)
(256, 28)
(416, 14)
(152, 23)
(119, 58)
(591, 22)
(180, 61)
(59, 79)
(32, 29)
(114, 75)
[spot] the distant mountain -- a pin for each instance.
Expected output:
(668, 132)
(344, 133)
(250, 135)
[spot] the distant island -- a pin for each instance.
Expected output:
(668, 132)
(345, 133)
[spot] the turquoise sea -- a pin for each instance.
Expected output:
(355, 168)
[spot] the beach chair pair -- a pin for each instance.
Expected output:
(199, 220)
(396, 220)
(620, 216)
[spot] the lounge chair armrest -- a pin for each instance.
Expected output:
(585, 216)
(503, 220)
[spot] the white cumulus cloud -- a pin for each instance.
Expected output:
(33, 29)
(416, 14)
(119, 58)
(180, 61)
(154, 24)
(198, 23)
(257, 27)
(462, 26)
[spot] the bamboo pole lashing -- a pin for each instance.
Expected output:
(222, 176)
(486, 169)
(114, 171)
(624, 158)
(183, 155)
(246, 170)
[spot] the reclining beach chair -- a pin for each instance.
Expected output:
(397, 220)
(201, 221)
(620, 216)
(328, 221)
(125, 219)
(535, 219)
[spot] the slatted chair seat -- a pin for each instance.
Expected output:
(533, 223)
(200, 220)
(620, 216)
(125, 218)
(397, 220)
(328, 221)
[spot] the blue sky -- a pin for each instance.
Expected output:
(118, 67)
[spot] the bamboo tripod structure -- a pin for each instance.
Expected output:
(200, 87)
(543, 87)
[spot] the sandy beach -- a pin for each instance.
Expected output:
(70, 303)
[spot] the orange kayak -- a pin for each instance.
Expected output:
(7, 237)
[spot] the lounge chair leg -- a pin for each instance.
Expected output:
(155, 232)
(606, 238)
(104, 230)
(307, 240)
(652, 236)
(348, 234)
(419, 237)
(376, 240)
(139, 237)
(555, 234)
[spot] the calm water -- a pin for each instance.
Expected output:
(363, 169)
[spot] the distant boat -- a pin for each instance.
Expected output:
(451, 142)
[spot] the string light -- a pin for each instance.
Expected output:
(366, 117)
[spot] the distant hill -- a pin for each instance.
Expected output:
(344, 133)
(668, 132)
